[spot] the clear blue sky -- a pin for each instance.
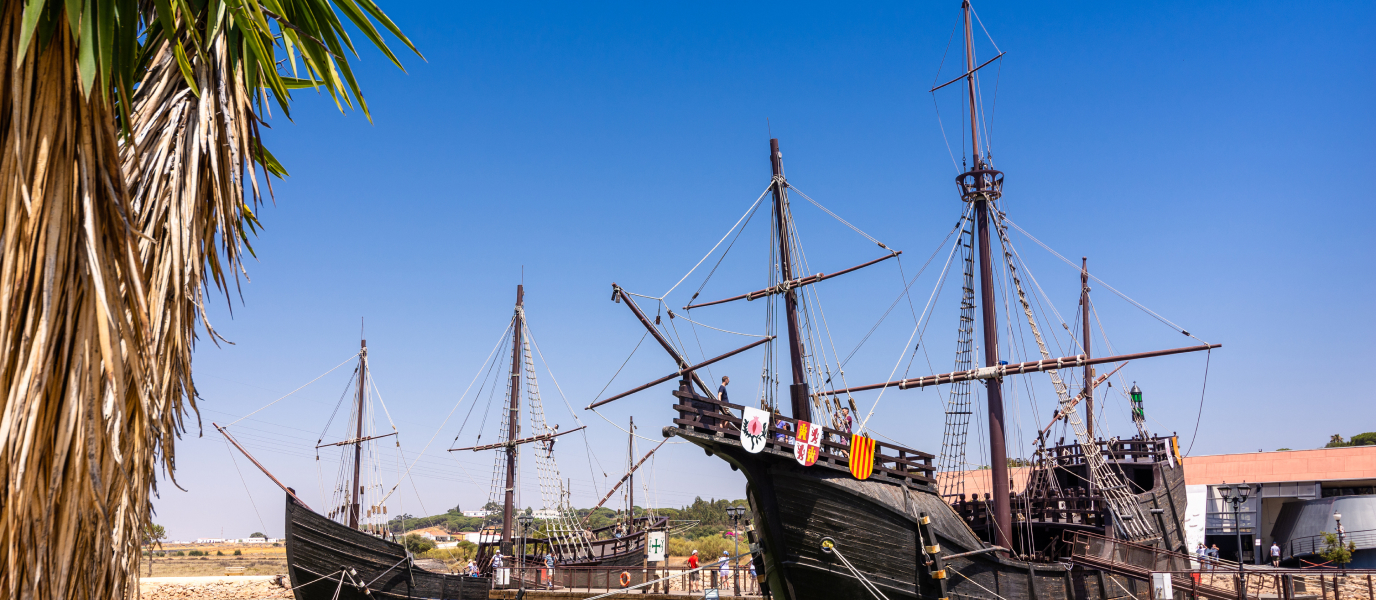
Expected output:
(1212, 159)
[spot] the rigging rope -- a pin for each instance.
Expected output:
(714, 248)
(838, 218)
(1110, 288)
(930, 299)
(500, 341)
(1200, 416)
(245, 482)
(864, 581)
(351, 357)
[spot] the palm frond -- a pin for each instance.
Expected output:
(77, 426)
(129, 157)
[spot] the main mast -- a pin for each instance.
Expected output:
(630, 486)
(1089, 369)
(797, 392)
(354, 507)
(513, 420)
(982, 186)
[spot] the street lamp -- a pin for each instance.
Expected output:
(735, 512)
(1338, 517)
(1243, 490)
(525, 521)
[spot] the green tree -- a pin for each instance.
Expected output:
(1334, 551)
(1335, 442)
(1364, 439)
(153, 535)
(417, 544)
(257, 534)
(130, 177)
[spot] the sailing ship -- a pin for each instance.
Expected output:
(842, 515)
(348, 552)
(561, 532)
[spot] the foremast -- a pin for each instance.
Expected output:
(798, 394)
(355, 507)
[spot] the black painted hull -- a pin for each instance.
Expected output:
(875, 524)
(318, 549)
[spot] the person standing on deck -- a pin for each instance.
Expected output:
(500, 573)
(721, 391)
(847, 425)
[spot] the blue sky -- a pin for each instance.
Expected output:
(1210, 158)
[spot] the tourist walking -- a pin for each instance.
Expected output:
(1275, 554)
(724, 579)
(693, 575)
(721, 391)
(549, 571)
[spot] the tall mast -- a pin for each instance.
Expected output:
(797, 392)
(355, 508)
(982, 186)
(630, 483)
(513, 420)
(1089, 369)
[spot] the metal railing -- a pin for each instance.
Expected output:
(731, 581)
(1314, 544)
(1216, 579)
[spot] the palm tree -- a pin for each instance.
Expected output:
(130, 160)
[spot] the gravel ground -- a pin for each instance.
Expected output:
(213, 588)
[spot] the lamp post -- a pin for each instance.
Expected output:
(735, 513)
(525, 521)
(1338, 517)
(1243, 490)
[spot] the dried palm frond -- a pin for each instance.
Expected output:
(75, 426)
(107, 247)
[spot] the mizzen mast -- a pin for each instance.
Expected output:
(982, 186)
(1089, 369)
(798, 390)
(513, 421)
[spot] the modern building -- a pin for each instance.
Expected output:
(1294, 497)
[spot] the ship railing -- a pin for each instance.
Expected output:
(731, 581)
(1151, 450)
(1075, 507)
(1217, 579)
(891, 462)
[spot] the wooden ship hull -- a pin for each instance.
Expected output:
(893, 527)
(321, 551)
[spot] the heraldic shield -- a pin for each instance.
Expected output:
(754, 429)
(809, 443)
(861, 456)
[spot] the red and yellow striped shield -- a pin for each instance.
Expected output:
(861, 456)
